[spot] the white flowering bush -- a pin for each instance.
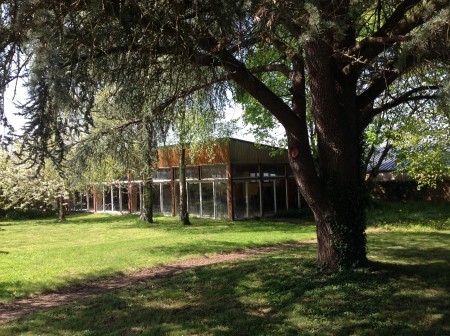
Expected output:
(24, 188)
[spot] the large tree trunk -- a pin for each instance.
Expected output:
(339, 201)
(332, 185)
(147, 206)
(184, 215)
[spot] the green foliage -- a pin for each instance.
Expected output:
(423, 148)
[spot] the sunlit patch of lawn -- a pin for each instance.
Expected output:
(39, 255)
(404, 292)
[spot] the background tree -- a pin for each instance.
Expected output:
(341, 56)
(26, 188)
(197, 127)
(123, 140)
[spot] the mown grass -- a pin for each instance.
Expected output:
(405, 291)
(41, 255)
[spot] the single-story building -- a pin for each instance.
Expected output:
(231, 179)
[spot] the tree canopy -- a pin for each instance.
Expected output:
(336, 61)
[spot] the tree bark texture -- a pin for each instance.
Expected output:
(61, 208)
(147, 207)
(339, 201)
(184, 215)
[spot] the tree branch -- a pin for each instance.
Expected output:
(191, 90)
(404, 98)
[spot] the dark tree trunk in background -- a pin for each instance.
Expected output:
(184, 215)
(61, 208)
(149, 156)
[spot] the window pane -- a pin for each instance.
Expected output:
(193, 199)
(268, 198)
(116, 191)
(163, 174)
(167, 198)
(281, 194)
(177, 198)
(245, 171)
(207, 200)
(239, 200)
(191, 173)
(107, 198)
(156, 198)
(254, 199)
(214, 171)
(273, 170)
(221, 199)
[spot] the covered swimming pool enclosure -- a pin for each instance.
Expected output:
(232, 179)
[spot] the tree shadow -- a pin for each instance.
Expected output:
(279, 294)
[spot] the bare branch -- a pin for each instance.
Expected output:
(404, 98)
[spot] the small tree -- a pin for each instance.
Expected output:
(26, 187)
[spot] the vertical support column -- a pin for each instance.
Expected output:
(87, 200)
(112, 197)
(120, 197)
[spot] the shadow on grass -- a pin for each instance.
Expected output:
(279, 294)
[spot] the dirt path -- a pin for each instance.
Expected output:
(25, 306)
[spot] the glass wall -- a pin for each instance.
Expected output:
(239, 199)
(156, 198)
(207, 199)
(193, 193)
(268, 198)
(115, 201)
(247, 170)
(280, 192)
(254, 199)
(166, 198)
(107, 198)
(213, 172)
(221, 201)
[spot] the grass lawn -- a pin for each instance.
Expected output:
(42, 255)
(406, 291)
